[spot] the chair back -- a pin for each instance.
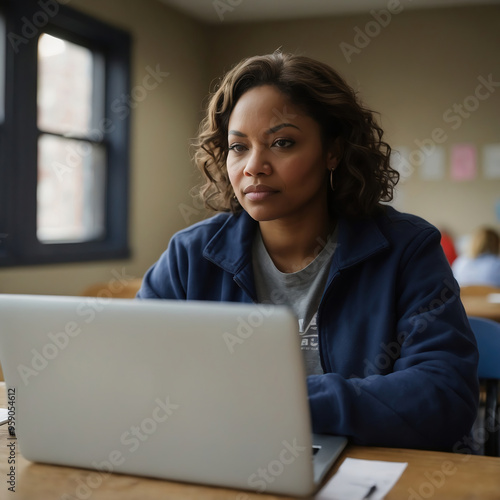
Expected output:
(487, 333)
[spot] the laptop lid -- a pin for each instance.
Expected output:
(202, 392)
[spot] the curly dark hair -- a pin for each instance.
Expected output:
(363, 179)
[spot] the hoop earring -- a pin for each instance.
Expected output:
(331, 179)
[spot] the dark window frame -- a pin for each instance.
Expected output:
(19, 133)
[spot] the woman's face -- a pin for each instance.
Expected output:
(276, 161)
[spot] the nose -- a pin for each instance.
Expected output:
(258, 163)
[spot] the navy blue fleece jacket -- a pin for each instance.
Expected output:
(399, 357)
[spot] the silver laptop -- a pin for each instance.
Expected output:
(202, 392)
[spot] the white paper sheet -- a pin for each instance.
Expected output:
(359, 479)
(494, 298)
(3, 415)
(433, 167)
(491, 161)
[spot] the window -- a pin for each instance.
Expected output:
(63, 150)
(71, 165)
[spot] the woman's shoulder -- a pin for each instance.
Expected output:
(388, 230)
(404, 228)
(400, 220)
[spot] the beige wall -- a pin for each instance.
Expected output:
(161, 127)
(412, 72)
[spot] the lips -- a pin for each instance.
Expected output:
(257, 192)
(259, 188)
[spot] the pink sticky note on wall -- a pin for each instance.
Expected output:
(463, 162)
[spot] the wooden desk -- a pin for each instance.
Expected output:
(478, 305)
(441, 476)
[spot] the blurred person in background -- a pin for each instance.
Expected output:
(481, 263)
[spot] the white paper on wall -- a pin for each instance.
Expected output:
(433, 167)
(491, 161)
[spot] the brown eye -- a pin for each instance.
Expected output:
(283, 143)
(237, 148)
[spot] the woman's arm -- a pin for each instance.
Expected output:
(428, 398)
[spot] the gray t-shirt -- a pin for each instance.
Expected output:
(301, 291)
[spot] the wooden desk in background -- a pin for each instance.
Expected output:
(479, 305)
(443, 476)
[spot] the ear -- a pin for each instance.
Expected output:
(335, 152)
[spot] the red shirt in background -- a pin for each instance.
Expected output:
(448, 247)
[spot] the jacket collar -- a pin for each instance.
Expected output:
(358, 240)
(231, 247)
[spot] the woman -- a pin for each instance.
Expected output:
(298, 168)
(481, 264)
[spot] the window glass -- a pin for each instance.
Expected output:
(65, 86)
(70, 190)
(71, 172)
